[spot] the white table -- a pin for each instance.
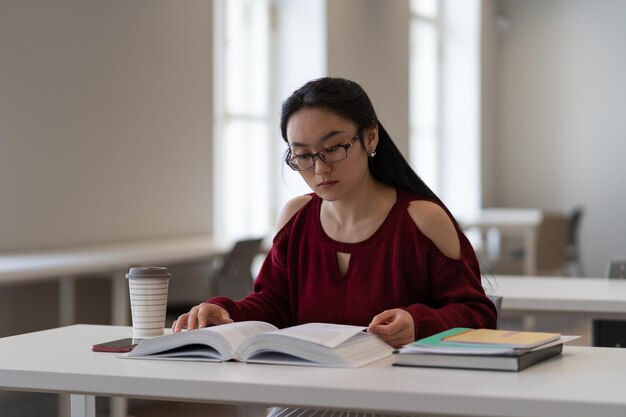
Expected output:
(114, 259)
(582, 382)
(594, 298)
(522, 222)
(69, 263)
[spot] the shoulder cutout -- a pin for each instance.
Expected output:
(292, 208)
(434, 223)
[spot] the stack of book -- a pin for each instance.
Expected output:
(502, 350)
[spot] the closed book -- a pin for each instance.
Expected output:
(510, 362)
(437, 344)
(510, 338)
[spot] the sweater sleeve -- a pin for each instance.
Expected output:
(458, 298)
(270, 300)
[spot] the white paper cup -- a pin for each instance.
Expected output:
(148, 299)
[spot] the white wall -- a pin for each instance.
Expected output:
(105, 120)
(104, 104)
(368, 42)
(561, 130)
(299, 56)
(488, 95)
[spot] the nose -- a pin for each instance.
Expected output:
(321, 166)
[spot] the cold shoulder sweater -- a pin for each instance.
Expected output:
(397, 267)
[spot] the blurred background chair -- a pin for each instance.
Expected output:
(233, 278)
(497, 301)
(611, 333)
(617, 268)
(573, 259)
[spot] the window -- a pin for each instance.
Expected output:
(242, 145)
(445, 100)
(264, 50)
(425, 90)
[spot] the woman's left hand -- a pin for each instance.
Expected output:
(394, 326)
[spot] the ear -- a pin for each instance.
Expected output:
(371, 139)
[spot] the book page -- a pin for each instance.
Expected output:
(219, 341)
(237, 332)
(329, 335)
(319, 344)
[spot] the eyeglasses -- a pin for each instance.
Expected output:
(329, 155)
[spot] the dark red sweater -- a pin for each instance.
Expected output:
(397, 266)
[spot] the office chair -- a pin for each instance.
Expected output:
(573, 259)
(616, 268)
(611, 333)
(497, 301)
(232, 279)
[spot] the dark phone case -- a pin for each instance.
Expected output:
(121, 345)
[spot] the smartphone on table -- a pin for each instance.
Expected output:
(120, 345)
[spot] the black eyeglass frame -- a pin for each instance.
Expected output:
(290, 158)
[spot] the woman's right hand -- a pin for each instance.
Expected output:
(202, 315)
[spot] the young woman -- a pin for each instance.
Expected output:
(372, 245)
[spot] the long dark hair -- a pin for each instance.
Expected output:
(348, 100)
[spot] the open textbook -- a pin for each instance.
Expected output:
(320, 344)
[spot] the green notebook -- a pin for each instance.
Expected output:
(436, 344)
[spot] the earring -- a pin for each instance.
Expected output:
(371, 154)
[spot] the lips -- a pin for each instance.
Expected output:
(327, 183)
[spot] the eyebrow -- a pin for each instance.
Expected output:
(323, 139)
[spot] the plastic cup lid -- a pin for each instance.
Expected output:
(148, 272)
